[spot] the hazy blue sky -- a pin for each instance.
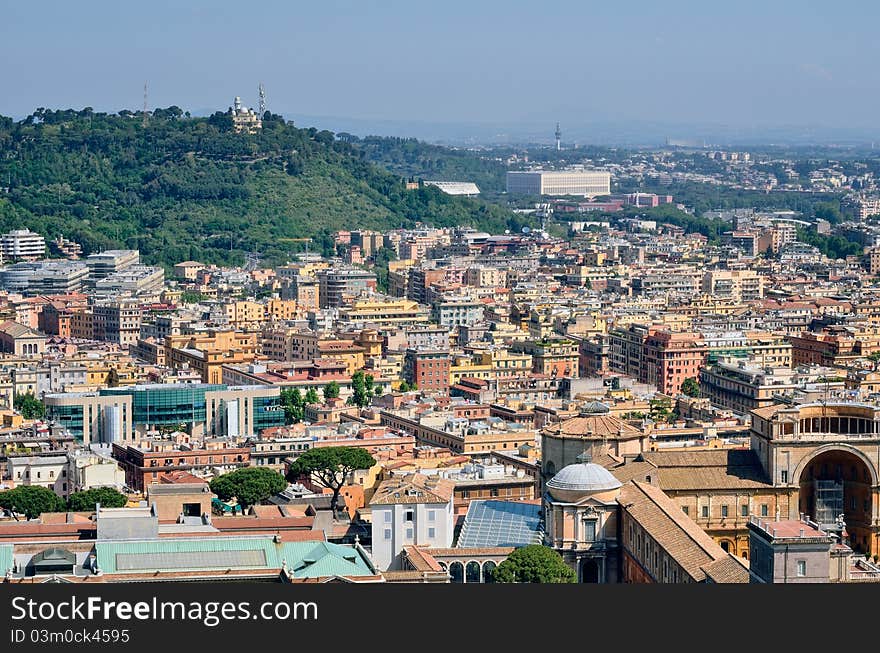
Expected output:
(728, 62)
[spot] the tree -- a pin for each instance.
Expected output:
(106, 496)
(691, 387)
(191, 297)
(29, 406)
(408, 387)
(31, 501)
(331, 390)
(249, 485)
(362, 389)
(874, 357)
(294, 405)
(330, 467)
(534, 563)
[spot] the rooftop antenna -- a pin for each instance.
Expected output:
(558, 138)
(145, 105)
(262, 100)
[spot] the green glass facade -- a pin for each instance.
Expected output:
(69, 417)
(166, 405)
(267, 413)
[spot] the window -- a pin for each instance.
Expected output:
(409, 533)
(784, 476)
(431, 515)
(765, 510)
(745, 510)
(801, 568)
(387, 516)
(589, 530)
(705, 512)
(387, 533)
(684, 509)
(407, 515)
(432, 533)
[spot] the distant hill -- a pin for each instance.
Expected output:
(190, 188)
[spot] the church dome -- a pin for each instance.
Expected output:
(574, 482)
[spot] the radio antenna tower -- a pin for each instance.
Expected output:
(558, 138)
(145, 105)
(262, 100)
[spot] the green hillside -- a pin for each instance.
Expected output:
(190, 188)
(409, 157)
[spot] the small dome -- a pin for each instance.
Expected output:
(573, 482)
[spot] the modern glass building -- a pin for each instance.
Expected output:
(163, 404)
(212, 410)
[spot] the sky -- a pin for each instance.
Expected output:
(743, 64)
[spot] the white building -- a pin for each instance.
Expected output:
(407, 511)
(67, 473)
(22, 244)
(87, 470)
(468, 188)
(244, 120)
(587, 183)
(49, 472)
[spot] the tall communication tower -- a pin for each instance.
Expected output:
(144, 118)
(558, 138)
(262, 100)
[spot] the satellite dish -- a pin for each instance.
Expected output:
(526, 230)
(507, 231)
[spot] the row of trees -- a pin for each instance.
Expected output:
(329, 467)
(294, 402)
(33, 500)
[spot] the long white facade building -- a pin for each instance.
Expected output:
(587, 183)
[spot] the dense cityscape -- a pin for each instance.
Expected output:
(616, 366)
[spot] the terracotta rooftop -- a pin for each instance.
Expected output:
(421, 559)
(413, 488)
(791, 528)
(728, 570)
(716, 469)
(593, 427)
(679, 536)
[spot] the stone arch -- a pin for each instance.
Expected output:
(827, 448)
(489, 571)
(549, 469)
(839, 479)
(473, 572)
(456, 572)
(590, 571)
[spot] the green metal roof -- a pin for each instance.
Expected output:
(321, 559)
(5, 558)
(188, 554)
(304, 559)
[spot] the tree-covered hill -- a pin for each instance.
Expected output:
(409, 157)
(191, 188)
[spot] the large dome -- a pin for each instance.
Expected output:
(574, 482)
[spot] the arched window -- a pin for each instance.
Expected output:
(725, 545)
(549, 469)
(489, 571)
(456, 572)
(472, 572)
